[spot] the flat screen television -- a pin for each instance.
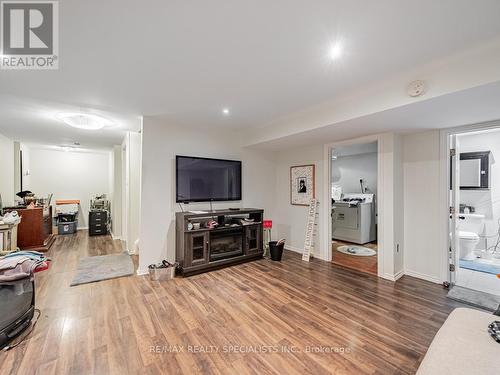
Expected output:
(204, 179)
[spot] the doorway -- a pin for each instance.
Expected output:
(353, 185)
(474, 220)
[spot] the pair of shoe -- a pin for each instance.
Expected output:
(494, 330)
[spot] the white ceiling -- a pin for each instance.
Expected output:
(186, 60)
(475, 105)
(33, 120)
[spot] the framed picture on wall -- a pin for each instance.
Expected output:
(302, 188)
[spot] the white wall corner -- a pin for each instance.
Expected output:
(394, 277)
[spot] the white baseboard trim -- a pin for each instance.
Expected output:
(301, 251)
(82, 228)
(422, 276)
(140, 272)
(115, 237)
(294, 249)
(394, 277)
(399, 275)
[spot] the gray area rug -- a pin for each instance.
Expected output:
(475, 298)
(103, 267)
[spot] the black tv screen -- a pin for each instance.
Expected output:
(204, 179)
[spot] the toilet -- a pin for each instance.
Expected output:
(467, 242)
(468, 228)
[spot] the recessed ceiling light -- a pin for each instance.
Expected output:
(335, 51)
(84, 121)
(225, 111)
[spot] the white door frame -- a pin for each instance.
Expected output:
(326, 207)
(125, 191)
(444, 195)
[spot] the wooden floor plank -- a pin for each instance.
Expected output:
(261, 317)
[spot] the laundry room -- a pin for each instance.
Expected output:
(354, 171)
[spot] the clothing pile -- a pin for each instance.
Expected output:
(21, 264)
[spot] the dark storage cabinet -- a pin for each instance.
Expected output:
(197, 244)
(253, 239)
(98, 223)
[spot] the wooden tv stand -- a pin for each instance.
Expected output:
(204, 249)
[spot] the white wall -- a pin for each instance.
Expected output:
(348, 170)
(289, 220)
(26, 170)
(486, 202)
(69, 175)
(391, 208)
(422, 210)
(398, 209)
(7, 171)
(133, 193)
(160, 143)
(406, 163)
(116, 203)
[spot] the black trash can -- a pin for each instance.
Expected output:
(276, 250)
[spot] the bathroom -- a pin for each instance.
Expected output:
(477, 237)
(353, 186)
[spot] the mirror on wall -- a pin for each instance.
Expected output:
(475, 170)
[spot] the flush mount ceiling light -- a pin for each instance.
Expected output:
(225, 111)
(84, 121)
(335, 51)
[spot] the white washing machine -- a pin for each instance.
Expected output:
(353, 218)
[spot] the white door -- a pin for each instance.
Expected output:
(454, 208)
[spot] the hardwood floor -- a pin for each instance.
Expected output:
(363, 264)
(304, 318)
